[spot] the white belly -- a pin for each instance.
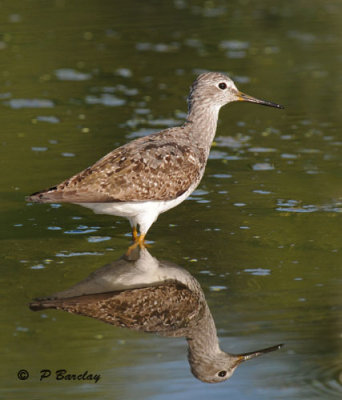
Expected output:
(142, 213)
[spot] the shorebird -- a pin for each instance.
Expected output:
(145, 294)
(155, 173)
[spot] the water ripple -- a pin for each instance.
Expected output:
(262, 167)
(296, 206)
(39, 148)
(328, 379)
(232, 142)
(233, 45)
(323, 380)
(77, 254)
(159, 47)
(124, 72)
(98, 239)
(29, 103)
(69, 74)
(140, 133)
(258, 271)
(261, 150)
(48, 118)
(105, 99)
(81, 230)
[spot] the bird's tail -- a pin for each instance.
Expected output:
(43, 304)
(50, 195)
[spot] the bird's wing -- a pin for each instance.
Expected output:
(158, 167)
(168, 307)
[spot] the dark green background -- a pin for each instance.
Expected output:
(263, 232)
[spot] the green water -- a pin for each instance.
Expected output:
(262, 232)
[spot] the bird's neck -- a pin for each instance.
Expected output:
(202, 120)
(202, 340)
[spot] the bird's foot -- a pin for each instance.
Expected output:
(141, 241)
(138, 241)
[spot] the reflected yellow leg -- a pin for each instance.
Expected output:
(141, 240)
(138, 241)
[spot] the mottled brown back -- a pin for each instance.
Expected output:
(160, 166)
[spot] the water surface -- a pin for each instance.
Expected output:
(262, 232)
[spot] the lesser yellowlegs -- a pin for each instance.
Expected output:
(150, 175)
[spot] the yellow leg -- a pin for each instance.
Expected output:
(134, 234)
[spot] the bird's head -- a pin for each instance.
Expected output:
(219, 89)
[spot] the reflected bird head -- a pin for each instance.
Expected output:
(220, 367)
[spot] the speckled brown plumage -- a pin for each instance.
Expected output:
(169, 308)
(159, 167)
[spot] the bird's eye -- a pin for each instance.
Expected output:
(222, 374)
(222, 86)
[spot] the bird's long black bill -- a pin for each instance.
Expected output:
(250, 99)
(253, 354)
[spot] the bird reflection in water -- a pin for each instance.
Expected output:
(142, 293)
